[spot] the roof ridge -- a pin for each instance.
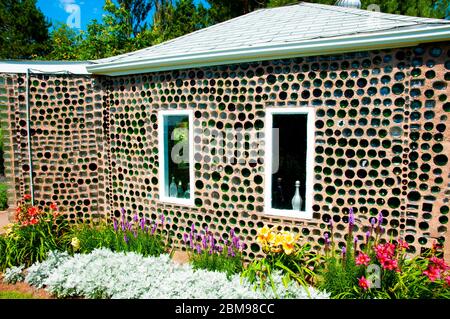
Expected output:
(366, 13)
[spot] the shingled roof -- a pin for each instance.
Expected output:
(296, 30)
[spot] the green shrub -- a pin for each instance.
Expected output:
(3, 196)
(138, 235)
(207, 252)
(34, 234)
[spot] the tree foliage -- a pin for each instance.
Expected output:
(129, 25)
(178, 19)
(138, 13)
(23, 30)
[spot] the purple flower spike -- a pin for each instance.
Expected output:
(142, 223)
(380, 218)
(162, 218)
(192, 227)
(199, 249)
(204, 243)
(135, 217)
(325, 236)
(355, 240)
(115, 224)
(185, 238)
(191, 241)
(123, 226)
(331, 224)
(135, 234)
(206, 229)
(351, 217)
(122, 210)
(125, 238)
(154, 228)
(367, 235)
(233, 253)
(232, 232)
(243, 246)
(236, 242)
(373, 220)
(344, 250)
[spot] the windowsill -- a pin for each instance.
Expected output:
(288, 213)
(177, 201)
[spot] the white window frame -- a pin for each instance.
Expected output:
(163, 197)
(270, 112)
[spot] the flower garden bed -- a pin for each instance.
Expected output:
(132, 258)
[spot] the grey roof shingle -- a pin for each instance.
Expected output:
(282, 25)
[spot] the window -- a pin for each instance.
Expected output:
(288, 162)
(176, 157)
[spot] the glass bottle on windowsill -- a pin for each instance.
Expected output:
(279, 201)
(173, 191)
(180, 190)
(297, 199)
(187, 193)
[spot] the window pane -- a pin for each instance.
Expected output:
(176, 154)
(289, 132)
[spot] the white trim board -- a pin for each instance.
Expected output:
(45, 67)
(268, 210)
(163, 197)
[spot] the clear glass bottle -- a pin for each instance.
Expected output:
(297, 200)
(173, 191)
(180, 192)
(187, 193)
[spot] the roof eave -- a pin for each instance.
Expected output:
(324, 46)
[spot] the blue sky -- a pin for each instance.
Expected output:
(74, 12)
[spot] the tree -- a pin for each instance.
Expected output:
(222, 10)
(278, 3)
(23, 30)
(65, 43)
(138, 13)
(177, 19)
(417, 8)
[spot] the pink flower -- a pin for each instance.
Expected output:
(439, 262)
(390, 264)
(53, 206)
(363, 283)
(362, 259)
(447, 280)
(27, 197)
(385, 255)
(432, 273)
(403, 244)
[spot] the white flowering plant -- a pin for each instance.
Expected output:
(119, 275)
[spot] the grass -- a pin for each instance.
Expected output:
(3, 196)
(15, 295)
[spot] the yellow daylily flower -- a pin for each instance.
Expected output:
(278, 240)
(8, 228)
(75, 243)
(263, 233)
(288, 248)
